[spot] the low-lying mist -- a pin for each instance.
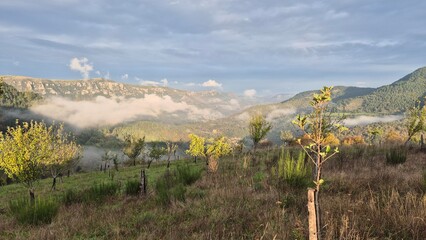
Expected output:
(104, 111)
(364, 120)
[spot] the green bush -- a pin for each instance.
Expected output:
(41, 211)
(162, 188)
(100, 191)
(294, 172)
(188, 174)
(257, 180)
(397, 155)
(70, 197)
(132, 187)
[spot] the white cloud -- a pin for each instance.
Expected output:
(163, 82)
(211, 83)
(125, 77)
(364, 120)
(98, 112)
(278, 113)
(81, 65)
(250, 93)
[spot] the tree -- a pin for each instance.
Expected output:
(258, 128)
(23, 150)
(133, 147)
(196, 146)
(216, 148)
(375, 134)
(65, 152)
(415, 121)
(171, 149)
(316, 127)
(287, 137)
(156, 153)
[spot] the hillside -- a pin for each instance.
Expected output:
(390, 99)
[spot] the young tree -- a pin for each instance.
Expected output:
(415, 121)
(23, 150)
(286, 137)
(156, 153)
(171, 150)
(216, 148)
(196, 147)
(316, 127)
(133, 147)
(65, 152)
(258, 128)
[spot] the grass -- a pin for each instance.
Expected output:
(365, 198)
(41, 211)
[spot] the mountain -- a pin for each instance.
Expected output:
(395, 98)
(154, 103)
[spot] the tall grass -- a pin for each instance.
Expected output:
(41, 211)
(396, 155)
(132, 187)
(292, 171)
(99, 192)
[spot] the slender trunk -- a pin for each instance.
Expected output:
(68, 173)
(143, 182)
(195, 159)
(149, 163)
(168, 161)
(32, 195)
(54, 184)
(134, 161)
(105, 167)
(313, 231)
(422, 142)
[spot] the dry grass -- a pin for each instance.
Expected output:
(363, 198)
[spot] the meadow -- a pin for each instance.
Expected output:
(364, 197)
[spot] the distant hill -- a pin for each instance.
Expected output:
(11, 97)
(390, 99)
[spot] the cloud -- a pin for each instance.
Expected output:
(364, 120)
(250, 93)
(211, 83)
(125, 77)
(279, 113)
(110, 111)
(163, 82)
(81, 65)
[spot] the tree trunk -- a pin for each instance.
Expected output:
(313, 230)
(195, 159)
(422, 141)
(134, 161)
(69, 172)
(143, 182)
(32, 195)
(54, 184)
(149, 163)
(168, 162)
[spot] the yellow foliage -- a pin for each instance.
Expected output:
(331, 140)
(353, 140)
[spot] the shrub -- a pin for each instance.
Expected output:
(132, 187)
(41, 211)
(100, 191)
(70, 197)
(397, 155)
(188, 174)
(257, 180)
(294, 172)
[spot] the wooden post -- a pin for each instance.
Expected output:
(313, 231)
(143, 182)
(422, 141)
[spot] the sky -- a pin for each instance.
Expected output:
(251, 47)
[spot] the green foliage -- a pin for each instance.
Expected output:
(396, 155)
(196, 146)
(10, 97)
(257, 180)
(156, 152)
(188, 174)
(41, 211)
(171, 186)
(23, 151)
(98, 192)
(416, 120)
(292, 171)
(218, 147)
(133, 147)
(258, 128)
(132, 187)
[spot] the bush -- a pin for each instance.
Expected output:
(397, 155)
(294, 172)
(100, 191)
(132, 187)
(41, 211)
(70, 197)
(188, 174)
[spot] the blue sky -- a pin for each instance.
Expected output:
(272, 46)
